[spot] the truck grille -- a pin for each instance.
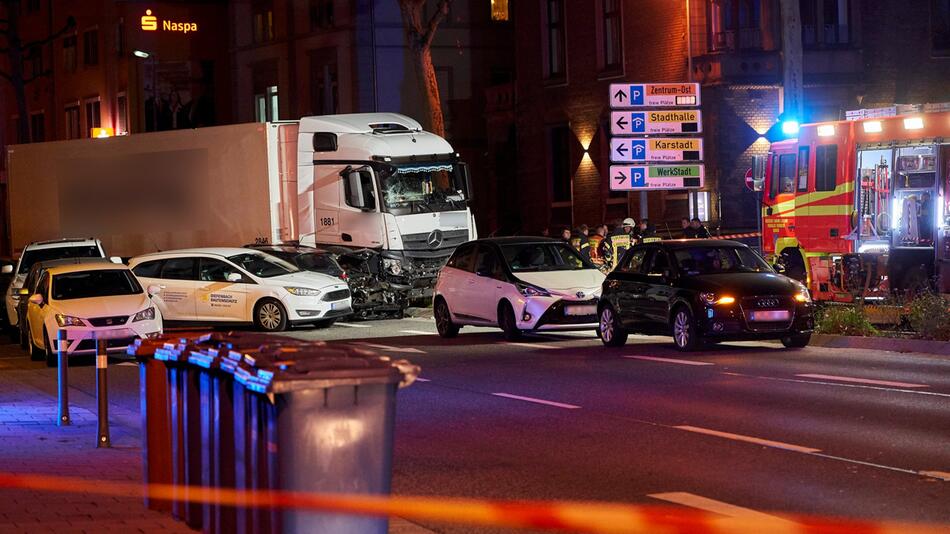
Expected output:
(435, 240)
(339, 294)
(109, 321)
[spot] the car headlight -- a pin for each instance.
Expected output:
(303, 291)
(68, 320)
(708, 298)
(532, 291)
(145, 315)
(393, 266)
(803, 296)
(712, 298)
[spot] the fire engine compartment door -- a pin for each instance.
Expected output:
(873, 213)
(916, 197)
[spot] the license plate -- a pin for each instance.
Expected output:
(335, 305)
(770, 315)
(580, 310)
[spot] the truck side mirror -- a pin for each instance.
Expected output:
(36, 299)
(758, 172)
(466, 181)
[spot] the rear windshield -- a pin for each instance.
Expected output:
(318, 262)
(87, 284)
(263, 265)
(45, 254)
(538, 257)
(713, 260)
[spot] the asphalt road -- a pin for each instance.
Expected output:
(748, 426)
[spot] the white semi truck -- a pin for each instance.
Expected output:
(374, 183)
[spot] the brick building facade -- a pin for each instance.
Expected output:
(856, 53)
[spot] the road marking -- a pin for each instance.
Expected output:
(943, 475)
(840, 385)
(420, 379)
(409, 350)
(748, 439)
(537, 401)
(669, 360)
(532, 345)
(718, 507)
(864, 381)
(354, 325)
(418, 332)
(128, 364)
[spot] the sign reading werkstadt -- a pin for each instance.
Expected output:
(634, 95)
(623, 149)
(640, 177)
(150, 24)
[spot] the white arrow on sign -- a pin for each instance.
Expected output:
(656, 177)
(670, 121)
(659, 149)
(632, 95)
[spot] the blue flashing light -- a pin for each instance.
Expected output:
(790, 127)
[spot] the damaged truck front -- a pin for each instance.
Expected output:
(390, 198)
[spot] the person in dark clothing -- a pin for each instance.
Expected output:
(566, 235)
(697, 227)
(688, 232)
(646, 229)
(618, 241)
(580, 242)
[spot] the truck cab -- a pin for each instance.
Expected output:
(378, 181)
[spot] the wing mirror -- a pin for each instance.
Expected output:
(37, 299)
(483, 272)
(233, 277)
(779, 268)
(6, 269)
(154, 290)
(23, 292)
(116, 260)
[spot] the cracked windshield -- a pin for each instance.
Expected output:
(421, 189)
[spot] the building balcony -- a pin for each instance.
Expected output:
(759, 67)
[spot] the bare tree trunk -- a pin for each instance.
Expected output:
(420, 45)
(15, 76)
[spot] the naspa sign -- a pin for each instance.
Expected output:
(151, 23)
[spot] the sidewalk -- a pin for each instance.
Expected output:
(30, 442)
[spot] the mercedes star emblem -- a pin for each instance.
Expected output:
(435, 239)
(580, 294)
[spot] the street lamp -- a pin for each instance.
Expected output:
(140, 53)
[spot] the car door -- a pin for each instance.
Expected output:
(177, 289)
(218, 298)
(35, 312)
(485, 287)
(659, 291)
(454, 277)
(630, 285)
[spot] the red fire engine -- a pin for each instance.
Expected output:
(860, 207)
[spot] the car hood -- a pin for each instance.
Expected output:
(103, 306)
(309, 279)
(587, 281)
(742, 284)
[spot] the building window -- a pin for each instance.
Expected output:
(499, 10)
(559, 158)
(610, 38)
(940, 27)
(93, 116)
(121, 114)
(120, 38)
(90, 48)
(555, 65)
(825, 23)
(699, 205)
(69, 53)
(37, 127)
(72, 122)
(265, 105)
(321, 14)
(263, 24)
(826, 160)
(735, 24)
(325, 98)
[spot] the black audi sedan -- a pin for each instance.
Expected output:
(702, 291)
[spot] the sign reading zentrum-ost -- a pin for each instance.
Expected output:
(640, 177)
(668, 121)
(150, 23)
(635, 95)
(623, 149)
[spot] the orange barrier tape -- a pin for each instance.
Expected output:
(737, 236)
(594, 518)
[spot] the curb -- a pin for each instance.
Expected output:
(923, 346)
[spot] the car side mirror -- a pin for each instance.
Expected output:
(37, 299)
(154, 290)
(233, 277)
(483, 272)
(6, 269)
(779, 268)
(23, 291)
(116, 260)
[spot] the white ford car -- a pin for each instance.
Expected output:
(88, 301)
(519, 284)
(240, 285)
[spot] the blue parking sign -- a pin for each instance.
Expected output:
(638, 122)
(638, 176)
(636, 95)
(638, 149)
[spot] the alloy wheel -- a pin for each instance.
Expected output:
(269, 316)
(606, 325)
(681, 329)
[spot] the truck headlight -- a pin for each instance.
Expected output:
(68, 320)
(145, 315)
(303, 291)
(393, 266)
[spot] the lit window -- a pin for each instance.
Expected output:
(499, 10)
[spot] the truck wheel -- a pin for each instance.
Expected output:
(796, 341)
(270, 316)
(506, 321)
(443, 319)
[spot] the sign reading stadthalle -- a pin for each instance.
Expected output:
(635, 95)
(624, 149)
(668, 121)
(639, 177)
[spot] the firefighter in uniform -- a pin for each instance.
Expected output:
(580, 243)
(594, 249)
(615, 244)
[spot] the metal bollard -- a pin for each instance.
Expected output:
(102, 392)
(62, 379)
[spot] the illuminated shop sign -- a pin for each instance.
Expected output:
(151, 23)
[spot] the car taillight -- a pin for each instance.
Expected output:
(343, 276)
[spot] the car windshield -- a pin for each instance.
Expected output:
(45, 254)
(526, 257)
(263, 265)
(100, 283)
(319, 262)
(421, 188)
(712, 260)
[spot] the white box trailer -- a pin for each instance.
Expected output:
(362, 181)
